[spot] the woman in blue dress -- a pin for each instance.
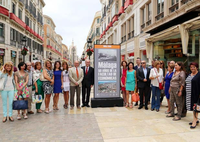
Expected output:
(167, 85)
(130, 83)
(57, 84)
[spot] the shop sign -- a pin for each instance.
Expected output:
(2, 52)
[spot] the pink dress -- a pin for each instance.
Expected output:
(123, 79)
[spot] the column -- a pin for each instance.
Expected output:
(154, 9)
(167, 4)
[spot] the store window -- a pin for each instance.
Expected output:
(2, 39)
(13, 57)
(2, 53)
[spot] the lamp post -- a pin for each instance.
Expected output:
(83, 56)
(50, 56)
(89, 44)
(24, 48)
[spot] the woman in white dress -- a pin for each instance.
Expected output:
(65, 83)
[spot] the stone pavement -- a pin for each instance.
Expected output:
(98, 125)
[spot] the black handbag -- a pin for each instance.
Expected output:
(197, 106)
(20, 104)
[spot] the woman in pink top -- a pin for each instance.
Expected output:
(123, 77)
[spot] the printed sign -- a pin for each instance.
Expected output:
(107, 71)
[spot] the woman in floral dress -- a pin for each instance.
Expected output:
(21, 80)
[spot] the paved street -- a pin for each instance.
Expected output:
(98, 125)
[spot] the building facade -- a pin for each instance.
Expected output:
(18, 19)
(72, 54)
(65, 54)
(94, 35)
(52, 41)
(166, 29)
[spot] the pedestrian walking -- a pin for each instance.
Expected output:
(156, 77)
(57, 89)
(143, 84)
(65, 83)
(87, 83)
(21, 81)
(130, 85)
(162, 66)
(7, 75)
(48, 84)
(177, 85)
(38, 84)
(76, 78)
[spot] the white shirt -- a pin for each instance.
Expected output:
(155, 82)
(9, 85)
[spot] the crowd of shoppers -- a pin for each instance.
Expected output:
(182, 90)
(32, 79)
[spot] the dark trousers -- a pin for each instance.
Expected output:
(84, 90)
(144, 92)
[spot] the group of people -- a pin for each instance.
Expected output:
(36, 79)
(182, 90)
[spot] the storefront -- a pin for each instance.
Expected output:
(13, 57)
(122, 57)
(131, 57)
(2, 54)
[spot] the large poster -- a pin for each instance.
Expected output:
(107, 71)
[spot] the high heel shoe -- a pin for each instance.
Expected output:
(196, 122)
(11, 119)
(193, 127)
(4, 120)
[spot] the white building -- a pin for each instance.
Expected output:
(73, 53)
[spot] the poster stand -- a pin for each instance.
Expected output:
(107, 76)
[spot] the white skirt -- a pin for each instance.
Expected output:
(66, 86)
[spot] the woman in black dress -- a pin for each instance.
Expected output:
(193, 91)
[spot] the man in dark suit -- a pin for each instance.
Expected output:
(87, 83)
(138, 62)
(143, 84)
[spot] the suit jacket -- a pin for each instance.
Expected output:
(136, 67)
(141, 77)
(88, 79)
(73, 76)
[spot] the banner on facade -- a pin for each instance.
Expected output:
(107, 71)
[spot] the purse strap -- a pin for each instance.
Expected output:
(156, 74)
(21, 96)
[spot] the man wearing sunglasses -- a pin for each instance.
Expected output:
(143, 84)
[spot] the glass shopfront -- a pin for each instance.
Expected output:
(171, 49)
(13, 57)
(2, 54)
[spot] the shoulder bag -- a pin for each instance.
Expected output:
(160, 84)
(42, 77)
(20, 104)
(37, 98)
(197, 106)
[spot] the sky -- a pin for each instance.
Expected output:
(73, 19)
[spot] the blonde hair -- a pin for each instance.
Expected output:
(156, 63)
(11, 71)
(45, 64)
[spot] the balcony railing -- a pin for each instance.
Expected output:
(132, 33)
(4, 11)
(129, 35)
(127, 3)
(173, 8)
(148, 22)
(142, 26)
(159, 16)
(184, 1)
(22, 1)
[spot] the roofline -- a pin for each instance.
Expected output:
(46, 16)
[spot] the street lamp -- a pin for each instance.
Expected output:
(50, 56)
(83, 56)
(89, 42)
(24, 50)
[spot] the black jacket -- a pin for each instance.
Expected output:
(88, 79)
(141, 77)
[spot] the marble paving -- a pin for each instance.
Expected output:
(98, 125)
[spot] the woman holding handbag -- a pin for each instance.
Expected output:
(177, 85)
(38, 84)
(48, 84)
(130, 83)
(7, 85)
(21, 81)
(156, 77)
(65, 83)
(193, 92)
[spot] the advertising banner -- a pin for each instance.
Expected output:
(107, 71)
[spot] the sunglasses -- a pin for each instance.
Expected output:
(143, 63)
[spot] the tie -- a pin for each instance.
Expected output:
(86, 70)
(77, 73)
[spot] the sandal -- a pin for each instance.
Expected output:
(167, 112)
(131, 106)
(39, 111)
(65, 106)
(25, 116)
(169, 115)
(176, 119)
(4, 119)
(19, 117)
(127, 105)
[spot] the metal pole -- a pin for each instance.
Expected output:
(23, 58)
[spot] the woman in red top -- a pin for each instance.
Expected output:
(123, 77)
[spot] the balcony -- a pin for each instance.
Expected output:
(127, 3)
(159, 16)
(184, 1)
(142, 26)
(129, 35)
(121, 10)
(4, 11)
(173, 8)
(16, 19)
(132, 33)
(123, 39)
(22, 2)
(115, 18)
(148, 23)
